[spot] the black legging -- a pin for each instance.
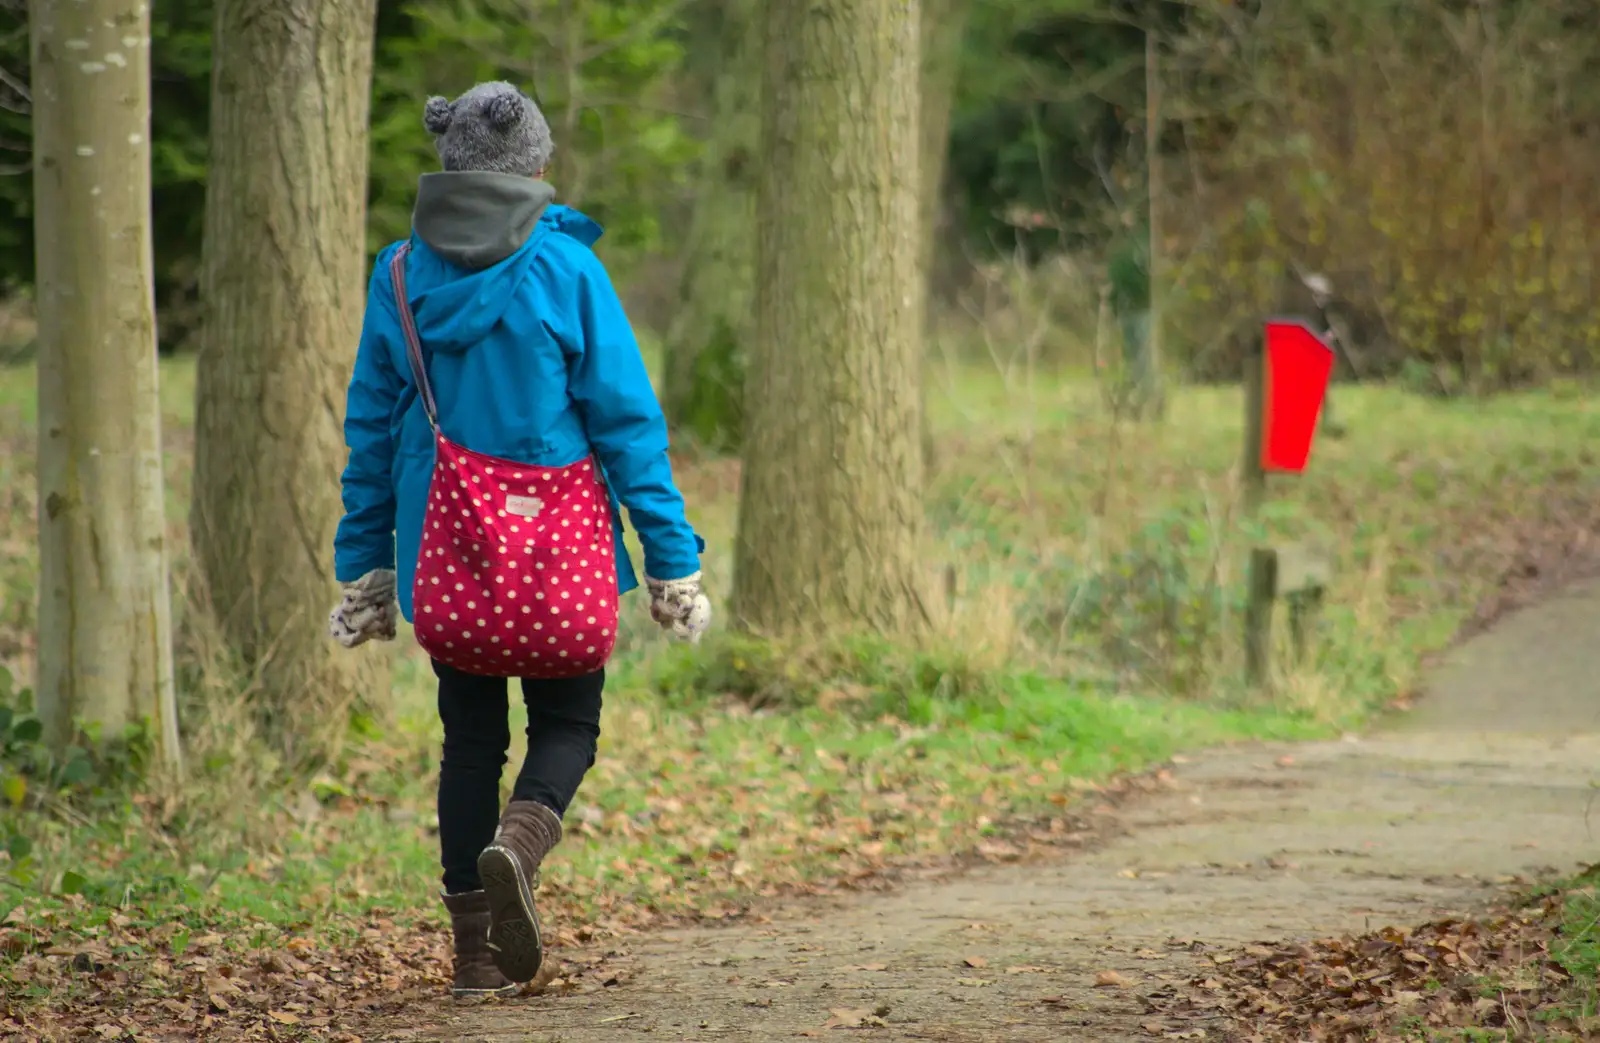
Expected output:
(563, 728)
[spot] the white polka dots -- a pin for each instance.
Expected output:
(573, 525)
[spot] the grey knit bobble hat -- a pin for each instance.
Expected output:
(492, 127)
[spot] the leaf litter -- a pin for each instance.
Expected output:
(232, 988)
(1495, 971)
(189, 974)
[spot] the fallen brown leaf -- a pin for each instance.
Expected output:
(853, 1019)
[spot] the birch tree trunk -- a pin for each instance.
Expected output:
(282, 282)
(105, 617)
(831, 494)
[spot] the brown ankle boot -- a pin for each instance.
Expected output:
(509, 868)
(475, 972)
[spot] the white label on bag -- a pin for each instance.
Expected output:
(524, 506)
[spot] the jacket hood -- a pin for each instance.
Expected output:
(481, 231)
(476, 219)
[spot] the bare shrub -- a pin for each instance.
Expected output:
(1434, 158)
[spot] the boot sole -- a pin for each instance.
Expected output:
(473, 994)
(515, 943)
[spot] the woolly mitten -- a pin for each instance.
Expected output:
(680, 607)
(367, 611)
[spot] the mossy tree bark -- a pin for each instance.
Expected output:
(705, 361)
(105, 617)
(831, 494)
(282, 283)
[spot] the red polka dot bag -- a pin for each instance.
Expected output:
(517, 574)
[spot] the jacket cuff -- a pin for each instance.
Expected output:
(665, 570)
(351, 571)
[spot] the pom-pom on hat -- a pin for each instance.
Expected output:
(492, 127)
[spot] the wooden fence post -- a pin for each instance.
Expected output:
(1263, 576)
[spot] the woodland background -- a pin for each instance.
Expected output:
(1430, 158)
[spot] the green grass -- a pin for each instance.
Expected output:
(792, 795)
(19, 403)
(1577, 947)
(1094, 630)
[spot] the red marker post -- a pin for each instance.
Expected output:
(1298, 367)
(1286, 384)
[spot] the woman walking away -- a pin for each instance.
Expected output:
(499, 417)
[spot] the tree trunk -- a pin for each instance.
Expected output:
(282, 283)
(105, 618)
(831, 495)
(707, 341)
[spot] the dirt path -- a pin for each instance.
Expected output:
(1488, 779)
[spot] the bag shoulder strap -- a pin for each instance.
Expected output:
(408, 324)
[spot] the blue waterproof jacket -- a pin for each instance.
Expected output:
(531, 359)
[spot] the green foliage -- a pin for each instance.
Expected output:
(180, 55)
(1128, 270)
(600, 72)
(1154, 611)
(16, 180)
(20, 733)
(713, 412)
(1047, 136)
(1577, 946)
(32, 774)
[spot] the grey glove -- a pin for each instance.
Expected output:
(368, 610)
(680, 607)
